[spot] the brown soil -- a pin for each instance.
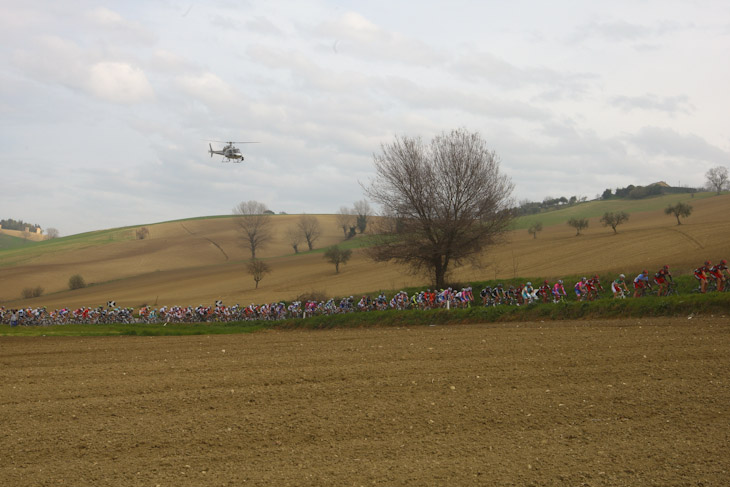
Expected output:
(602, 403)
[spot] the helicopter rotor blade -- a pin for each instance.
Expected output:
(232, 142)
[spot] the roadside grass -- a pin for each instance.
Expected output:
(169, 329)
(595, 209)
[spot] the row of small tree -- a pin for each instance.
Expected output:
(335, 255)
(253, 220)
(614, 219)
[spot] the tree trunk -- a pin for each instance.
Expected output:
(440, 273)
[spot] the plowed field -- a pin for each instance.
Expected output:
(595, 403)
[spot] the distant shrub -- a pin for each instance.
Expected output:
(142, 233)
(32, 292)
(313, 296)
(76, 282)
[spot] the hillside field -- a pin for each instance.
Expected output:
(197, 261)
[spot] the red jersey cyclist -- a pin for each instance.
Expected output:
(718, 273)
(701, 274)
(663, 277)
(641, 282)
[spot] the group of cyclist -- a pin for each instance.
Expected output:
(428, 299)
(585, 289)
(710, 277)
(707, 275)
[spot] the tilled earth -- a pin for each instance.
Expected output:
(622, 402)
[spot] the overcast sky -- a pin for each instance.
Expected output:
(104, 106)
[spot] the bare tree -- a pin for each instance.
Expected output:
(362, 210)
(257, 268)
(536, 227)
(345, 219)
(444, 202)
(611, 219)
(254, 224)
(52, 233)
(294, 237)
(579, 224)
(717, 178)
(680, 209)
(310, 229)
(337, 256)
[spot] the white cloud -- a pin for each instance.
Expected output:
(668, 104)
(50, 58)
(264, 26)
(670, 143)
(119, 83)
(208, 88)
(112, 23)
(354, 35)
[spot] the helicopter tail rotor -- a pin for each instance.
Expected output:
(211, 150)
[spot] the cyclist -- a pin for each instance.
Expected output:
(641, 282)
(381, 301)
(485, 294)
(718, 273)
(618, 286)
(498, 294)
(581, 289)
(593, 285)
(544, 291)
(559, 291)
(701, 274)
(528, 293)
(663, 277)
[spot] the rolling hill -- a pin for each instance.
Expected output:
(197, 261)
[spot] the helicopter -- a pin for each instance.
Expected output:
(229, 152)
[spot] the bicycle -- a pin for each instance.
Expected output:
(709, 288)
(671, 289)
(646, 291)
